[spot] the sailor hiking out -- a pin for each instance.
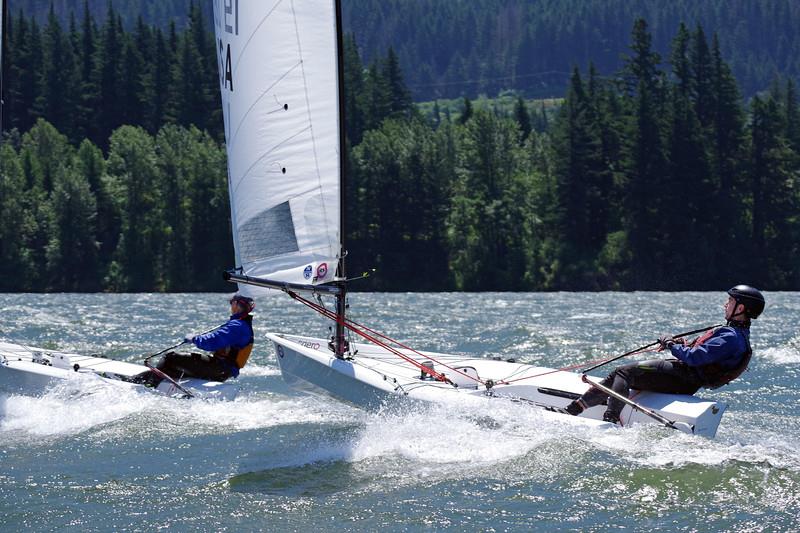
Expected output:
(710, 361)
(230, 346)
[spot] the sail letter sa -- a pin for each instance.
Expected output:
(228, 22)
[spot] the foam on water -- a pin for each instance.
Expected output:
(72, 407)
(87, 403)
(257, 411)
(782, 355)
(260, 371)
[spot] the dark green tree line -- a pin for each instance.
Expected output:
(660, 177)
(152, 216)
(91, 79)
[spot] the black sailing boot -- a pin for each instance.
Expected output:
(575, 407)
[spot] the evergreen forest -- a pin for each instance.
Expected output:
(450, 49)
(660, 176)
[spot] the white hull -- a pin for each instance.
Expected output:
(26, 370)
(375, 377)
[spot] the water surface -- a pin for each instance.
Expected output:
(88, 457)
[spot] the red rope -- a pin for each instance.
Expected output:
(354, 327)
(362, 330)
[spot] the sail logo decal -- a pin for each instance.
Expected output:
(306, 344)
(322, 270)
(307, 272)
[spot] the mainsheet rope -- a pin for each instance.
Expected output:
(372, 336)
(571, 367)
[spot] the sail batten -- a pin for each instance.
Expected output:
(280, 99)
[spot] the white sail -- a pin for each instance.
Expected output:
(280, 98)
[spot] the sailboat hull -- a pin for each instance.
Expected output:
(33, 371)
(375, 378)
(317, 373)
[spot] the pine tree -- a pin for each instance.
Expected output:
(47, 150)
(72, 248)
(24, 74)
(488, 251)
(702, 80)
(135, 185)
(402, 173)
(400, 103)
(523, 118)
(466, 112)
(57, 98)
(687, 182)
(582, 185)
(193, 98)
(106, 77)
(727, 156)
(354, 90)
(88, 98)
(157, 85)
(17, 265)
(131, 87)
(645, 163)
(89, 162)
(775, 199)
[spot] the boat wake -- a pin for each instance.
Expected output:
(455, 444)
(66, 409)
(504, 439)
(88, 405)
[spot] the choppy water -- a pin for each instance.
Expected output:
(96, 458)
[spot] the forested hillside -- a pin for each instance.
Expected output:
(455, 48)
(112, 171)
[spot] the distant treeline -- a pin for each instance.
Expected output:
(87, 80)
(450, 49)
(152, 216)
(158, 13)
(653, 179)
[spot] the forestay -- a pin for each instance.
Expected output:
(278, 79)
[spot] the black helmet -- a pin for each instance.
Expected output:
(750, 297)
(248, 304)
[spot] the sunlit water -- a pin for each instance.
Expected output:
(86, 456)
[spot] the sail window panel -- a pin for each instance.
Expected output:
(268, 234)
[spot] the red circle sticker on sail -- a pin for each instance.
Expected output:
(322, 270)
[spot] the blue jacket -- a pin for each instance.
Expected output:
(235, 333)
(725, 347)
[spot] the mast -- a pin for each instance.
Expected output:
(339, 341)
(3, 33)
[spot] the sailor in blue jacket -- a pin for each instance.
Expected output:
(230, 344)
(712, 360)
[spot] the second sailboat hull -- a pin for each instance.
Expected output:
(375, 378)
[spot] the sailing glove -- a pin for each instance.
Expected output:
(666, 342)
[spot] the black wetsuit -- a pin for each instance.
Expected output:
(710, 361)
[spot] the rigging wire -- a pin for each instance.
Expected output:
(568, 368)
(374, 337)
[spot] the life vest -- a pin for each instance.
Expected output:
(715, 375)
(238, 356)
